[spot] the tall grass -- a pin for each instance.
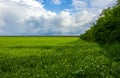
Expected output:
(56, 57)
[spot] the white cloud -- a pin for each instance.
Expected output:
(57, 2)
(84, 18)
(77, 4)
(29, 17)
(102, 3)
(31, 3)
(97, 4)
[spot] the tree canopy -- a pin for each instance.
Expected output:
(107, 28)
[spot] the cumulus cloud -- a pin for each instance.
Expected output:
(15, 13)
(29, 17)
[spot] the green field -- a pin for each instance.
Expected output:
(57, 57)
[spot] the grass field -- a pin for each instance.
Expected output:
(57, 57)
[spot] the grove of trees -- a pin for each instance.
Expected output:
(107, 28)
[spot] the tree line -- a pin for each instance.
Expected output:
(107, 28)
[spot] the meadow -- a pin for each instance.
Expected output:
(57, 57)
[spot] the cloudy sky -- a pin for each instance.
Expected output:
(49, 17)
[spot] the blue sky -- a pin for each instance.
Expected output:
(50, 5)
(49, 17)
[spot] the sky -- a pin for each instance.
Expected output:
(49, 17)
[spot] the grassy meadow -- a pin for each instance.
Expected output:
(57, 57)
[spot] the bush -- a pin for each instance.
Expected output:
(107, 27)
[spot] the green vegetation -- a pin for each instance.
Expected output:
(57, 57)
(66, 57)
(107, 28)
(106, 32)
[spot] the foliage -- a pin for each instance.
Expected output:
(107, 27)
(118, 2)
(55, 57)
(106, 31)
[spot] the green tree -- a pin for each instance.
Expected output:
(107, 28)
